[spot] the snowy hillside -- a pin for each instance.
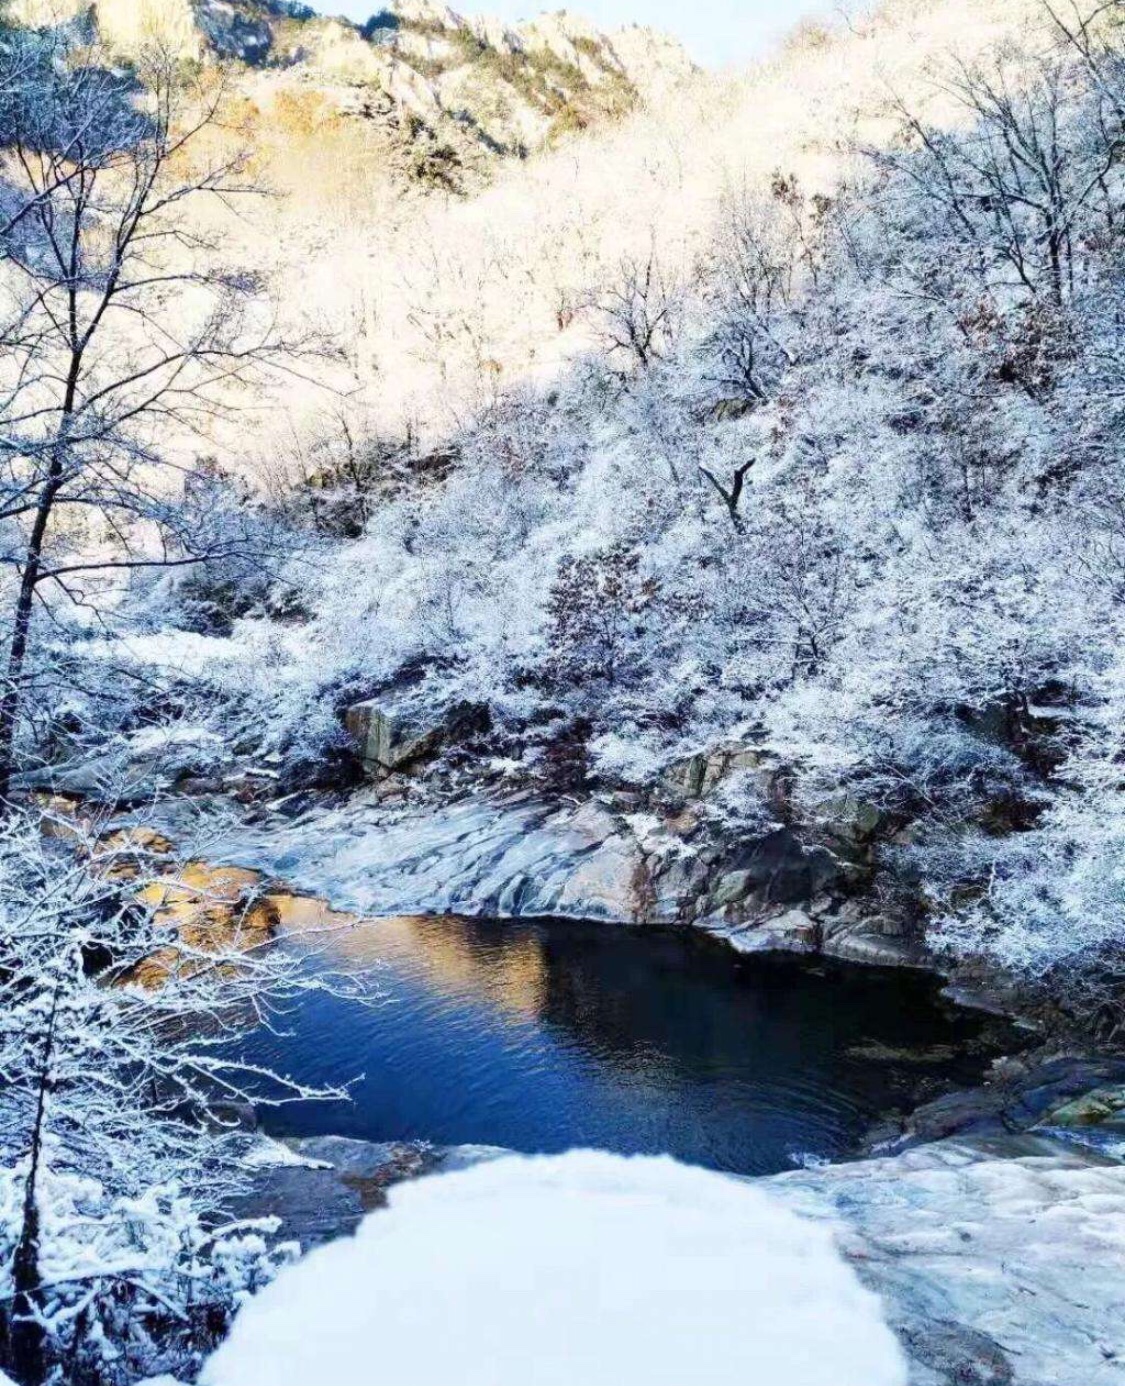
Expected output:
(504, 470)
(804, 450)
(456, 94)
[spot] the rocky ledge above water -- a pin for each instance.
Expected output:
(999, 1260)
(598, 858)
(439, 827)
(994, 1233)
(323, 1186)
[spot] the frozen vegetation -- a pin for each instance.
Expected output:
(120, 1137)
(723, 506)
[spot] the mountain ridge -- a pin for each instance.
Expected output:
(477, 89)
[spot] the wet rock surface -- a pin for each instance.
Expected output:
(321, 1187)
(1068, 1095)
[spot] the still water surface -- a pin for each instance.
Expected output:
(541, 1036)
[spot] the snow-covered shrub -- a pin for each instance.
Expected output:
(1050, 904)
(137, 1283)
(595, 617)
(118, 1151)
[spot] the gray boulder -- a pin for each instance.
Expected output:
(322, 1187)
(777, 870)
(388, 742)
(697, 776)
(392, 741)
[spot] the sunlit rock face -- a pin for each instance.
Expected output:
(126, 25)
(495, 89)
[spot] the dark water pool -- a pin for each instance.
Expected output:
(547, 1035)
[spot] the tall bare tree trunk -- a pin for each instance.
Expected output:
(26, 1338)
(10, 704)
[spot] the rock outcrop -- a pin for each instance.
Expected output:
(479, 89)
(523, 856)
(388, 741)
(998, 1261)
(323, 1186)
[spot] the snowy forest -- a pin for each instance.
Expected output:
(664, 442)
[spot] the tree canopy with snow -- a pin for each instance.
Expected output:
(779, 416)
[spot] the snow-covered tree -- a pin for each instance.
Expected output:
(120, 326)
(120, 1145)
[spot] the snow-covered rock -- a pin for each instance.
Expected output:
(136, 766)
(521, 856)
(516, 857)
(997, 1258)
(1000, 1262)
(584, 1268)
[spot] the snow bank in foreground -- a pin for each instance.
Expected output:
(579, 1270)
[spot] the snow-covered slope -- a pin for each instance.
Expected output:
(459, 298)
(485, 89)
(583, 1268)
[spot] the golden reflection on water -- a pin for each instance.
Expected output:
(209, 908)
(444, 950)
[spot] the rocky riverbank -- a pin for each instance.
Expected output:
(991, 1222)
(420, 837)
(323, 1186)
(437, 827)
(992, 1225)
(998, 1260)
(524, 856)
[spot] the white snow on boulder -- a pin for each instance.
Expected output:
(579, 1270)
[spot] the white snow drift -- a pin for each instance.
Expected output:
(586, 1268)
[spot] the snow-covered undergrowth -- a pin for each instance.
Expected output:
(131, 1281)
(121, 1137)
(1054, 900)
(583, 1268)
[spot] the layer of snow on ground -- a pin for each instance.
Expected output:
(584, 1268)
